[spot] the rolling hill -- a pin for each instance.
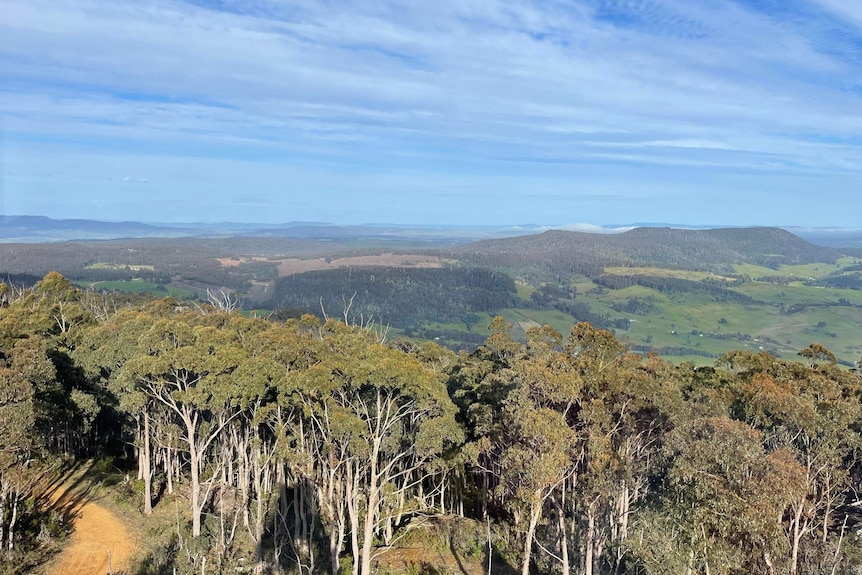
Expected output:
(562, 252)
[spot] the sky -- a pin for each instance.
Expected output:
(462, 112)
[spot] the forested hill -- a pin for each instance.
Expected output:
(565, 251)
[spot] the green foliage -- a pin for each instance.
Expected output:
(310, 441)
(401, 296)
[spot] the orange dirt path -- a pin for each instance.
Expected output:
(97, 536)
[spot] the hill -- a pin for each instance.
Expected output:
(563, 252)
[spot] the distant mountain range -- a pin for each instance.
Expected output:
(35, 229)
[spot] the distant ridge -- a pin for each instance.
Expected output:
(41, 229)
(682, 248)
(44, 229)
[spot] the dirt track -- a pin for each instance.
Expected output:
(99, 544)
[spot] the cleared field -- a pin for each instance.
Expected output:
(136, 286)
(523, 290)
(107, 266)
(235, 262)
(782, 320)
(803, 272)
(290, 266)
(798, 294)
(679, 274)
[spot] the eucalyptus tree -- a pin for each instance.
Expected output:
(38, 407)
(105, 350)
(374, 419)
(811, 412)
(186, 365)
(728, 496)
(23, 369)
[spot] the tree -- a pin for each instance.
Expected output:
(816, 353)
(379, 419)
(724, 497)
(187, 367)
(805, 411)
(534, 462)
(22, 369)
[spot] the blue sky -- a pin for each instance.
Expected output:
(447, 112)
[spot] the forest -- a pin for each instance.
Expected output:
(316, 446)
(413, 296)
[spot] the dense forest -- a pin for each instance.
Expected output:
(311, 446)
(412, 296)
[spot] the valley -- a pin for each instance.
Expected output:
(687, 295)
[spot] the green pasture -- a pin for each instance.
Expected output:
(524, 290)
(802, 271)
(138, 286)
(771, 322)
(662, 272)
(798, 294)
(781, 319)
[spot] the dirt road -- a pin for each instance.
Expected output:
(99, 544)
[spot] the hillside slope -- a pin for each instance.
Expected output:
(578, 252)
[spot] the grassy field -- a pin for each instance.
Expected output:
(781, 319)
(803, 272)
(651, 271)
(137, 286)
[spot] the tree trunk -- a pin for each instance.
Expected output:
(260, 513)
(591, 535)
(195, 463)
(828, 510)
(336, 542)
(196, 494)
(13, 520)
(353, 512)
(243, 472)
(797, 537)
(3, 493)
(442, 494)
(371, 508)
(564, 539)
(146, 466)
(535, 515)
(169, 472)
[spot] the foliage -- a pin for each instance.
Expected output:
(310, 445)
(403, 297)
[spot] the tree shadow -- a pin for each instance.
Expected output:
(498, 565)
(61, 496)
(56, 498)
(457, 557)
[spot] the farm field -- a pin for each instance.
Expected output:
(698, 327)
(140, 286)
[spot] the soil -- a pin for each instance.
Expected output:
(100, 543)
(290, 266)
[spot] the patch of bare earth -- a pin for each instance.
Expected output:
(290, 266)
(100, 542)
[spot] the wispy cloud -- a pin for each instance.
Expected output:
(635, 96)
